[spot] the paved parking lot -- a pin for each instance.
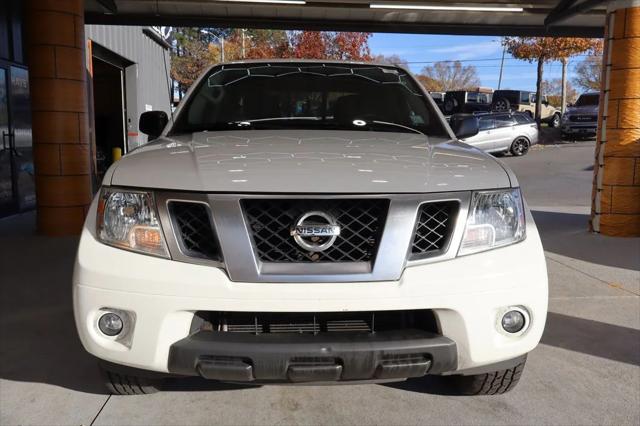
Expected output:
(586, 371)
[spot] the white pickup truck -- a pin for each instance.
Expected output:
(309, 222)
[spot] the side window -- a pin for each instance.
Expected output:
(521, 119)
(525, 97)
(416, 108)
(483, 98)
(486, 124)
(472, 97)
(503, 121)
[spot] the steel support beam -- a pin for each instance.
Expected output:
(344, 25)
(109, 5)
(567, 9)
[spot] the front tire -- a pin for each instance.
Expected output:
(555, 121)
(520, 146)
(125, 384)
(493, 383)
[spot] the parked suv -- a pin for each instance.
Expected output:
(525, 101)
(309, 222)
(465, 101)
(505, 132)
(438, 98)
(581, 119)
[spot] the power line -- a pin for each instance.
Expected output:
(487, 60)
(547, 66)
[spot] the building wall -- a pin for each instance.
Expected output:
(147, 80)
(616, 191)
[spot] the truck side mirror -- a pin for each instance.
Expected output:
(152, 123)
(464, 125)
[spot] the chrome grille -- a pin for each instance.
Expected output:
(194, 230)
(361, 222)
(434, 227)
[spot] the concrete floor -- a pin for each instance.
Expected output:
(585, 371)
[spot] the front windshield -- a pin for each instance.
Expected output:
(588, 100)
(308, 96)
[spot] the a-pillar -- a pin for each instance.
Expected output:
(616, 194)
(57, 77)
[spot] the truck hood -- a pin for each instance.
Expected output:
(586, 109)
(308, 161)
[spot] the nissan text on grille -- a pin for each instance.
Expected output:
(309, 221)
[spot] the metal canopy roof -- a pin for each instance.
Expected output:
(472, 17)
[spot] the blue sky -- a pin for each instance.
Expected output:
(472, 50)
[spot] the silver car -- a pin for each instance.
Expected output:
(505, 132)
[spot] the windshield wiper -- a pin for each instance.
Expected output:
(246, 123)
(386, 123)
(249, 124)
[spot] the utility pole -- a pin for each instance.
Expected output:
(220, 39)
(563, 98)
(243, 31)
(504, 50)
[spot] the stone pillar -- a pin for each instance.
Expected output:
(616, 193)
(57, 76)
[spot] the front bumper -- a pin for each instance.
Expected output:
(312, 358)
(467, 296)
(573, 128)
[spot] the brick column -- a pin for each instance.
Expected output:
(616, 194)
(57, 75)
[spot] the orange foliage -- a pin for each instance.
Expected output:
(308, 45)
(194, 54)
(349, 46)
(550, 48)
(544, 49)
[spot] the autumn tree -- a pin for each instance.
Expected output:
(308, 45)
(255, 44)
(349, 46)
(429, 84)
(193, 49)
(265, 44)
(553, 90)
(545, 49)
(189, 58)
(390, 59)
(448, 75)
(587, 74)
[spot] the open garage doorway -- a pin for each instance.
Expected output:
(109, 106)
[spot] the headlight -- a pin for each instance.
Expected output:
(128, 220)
(565, 118)
(496, 219)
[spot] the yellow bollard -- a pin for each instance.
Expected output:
(116, 154)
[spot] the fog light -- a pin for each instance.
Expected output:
(110, 324)
(513, 321)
